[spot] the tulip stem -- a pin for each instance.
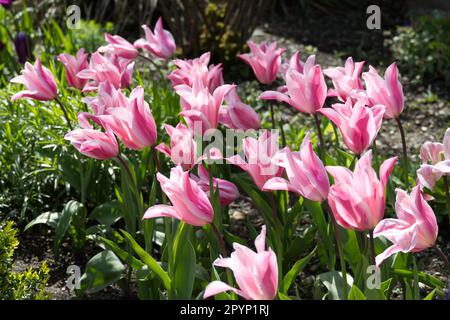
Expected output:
(372, 248)
(447, 196)
(443, 257)
(405, 150)
(158, 69)
(319, 133)
(65, 113)
(223, 250)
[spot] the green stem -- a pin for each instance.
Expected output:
(157, 67)
(404, 148)
(65, 113)
(416, 279)
(319, 134)
(372, 248)
(447, 196)
(220, 241)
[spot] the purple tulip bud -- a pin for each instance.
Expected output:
(6, 3)
(22, 44)
(2, 46)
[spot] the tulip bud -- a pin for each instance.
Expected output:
(23, 47)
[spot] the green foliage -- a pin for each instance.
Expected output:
(29, 284)
(423, 49)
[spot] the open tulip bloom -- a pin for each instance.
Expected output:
(73, 66)
(256, 273)
(159, 43)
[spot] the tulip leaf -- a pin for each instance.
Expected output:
(103, 269)
(48, 218)
(71, 209)
(334, 282)
(184, 274)
(295, 270)
(430, 296)
(423, 277)
(122, 254)
(356, 294)
(107, 213)
(148, 260)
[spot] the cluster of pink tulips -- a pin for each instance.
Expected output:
(353, 195)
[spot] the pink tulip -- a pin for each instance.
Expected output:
(435, 161)
(357, 198)
(387, 91)
(183, 147)
(259, 153)
(264, 59)
(305, 171)
(189, 202)
(115, 70)
(39, 83)
(358, 124)
(345, 79)
(200, 107)
(415, 229)
(93, 143)
(74, 65)
(160, 44)
(107, 97)
(237, 115)
(305, 91)
(189, 70)
(256, 273)
(294, 63)
(228, 192)
(133, 123)
(119, 47)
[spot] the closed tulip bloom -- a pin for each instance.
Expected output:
(357, 198)
(256, 273)
(435, 161)
(265, 60)
(387, 91)
(238, 115)
(259, 154)
(183, 147)
(358, 124)
(23, 47)
(159, 43)
(345, 79)
(6, 3)
(133, 123)
(189, 202)
(415, 229)
(73, 66)
(305, 91)
(115, 70)
(38, 81)
(200, 107)
(305, 171)
(119, 47)
(93, 143)
(190, 69)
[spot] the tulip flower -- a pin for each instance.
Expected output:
(228, 192)
(119, 47)
(294, 63)
(39, 83)
(256, 273)
(306, 173)
(357, 198)
(435, 161)
(200, 106)
(265, 60)
(259, 153)
(189, 202)
(345, 79)
(159, 43)
(107, 97)
(6, 3)
(117, 71)
(183, 147)
(23, 47)
(133, 123)
(73, 66)
(238, 115)
(387, 91)
(189, 70)
(415, 229)
(305, 91)
(358, 124)
(93, 143)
